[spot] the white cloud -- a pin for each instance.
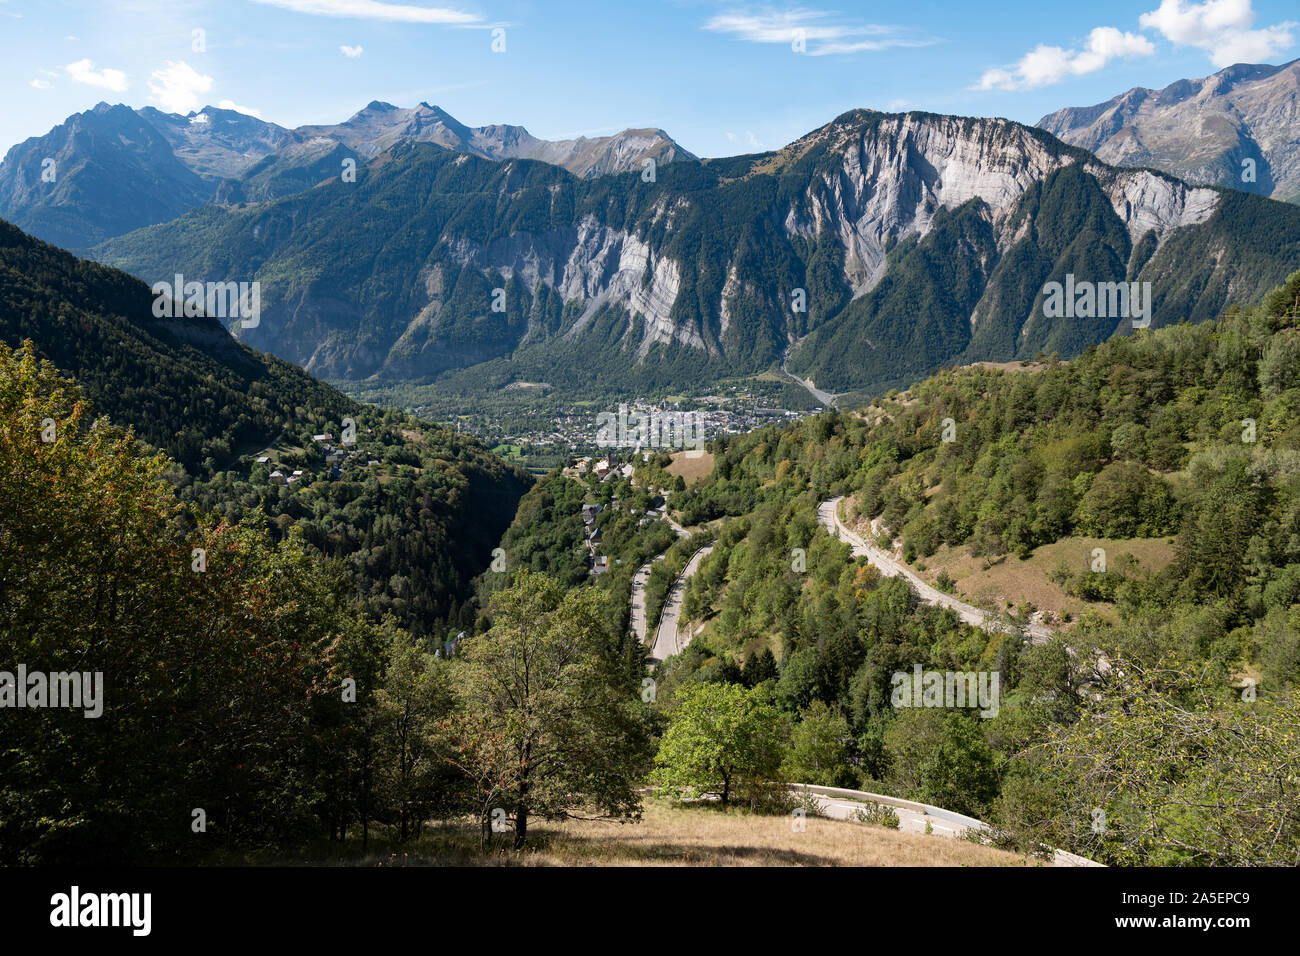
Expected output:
(351, 52)
(246, 110)
(1222, 28)
(39, 84)
(754, 141)
(1045, 65)
(83, 71)
(812, 30)
(176, 87)
(374, 10)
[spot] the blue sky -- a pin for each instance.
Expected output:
(720, 77)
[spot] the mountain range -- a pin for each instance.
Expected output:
(873, 250)
(112, 169)
(1239, 128)
(402, 245)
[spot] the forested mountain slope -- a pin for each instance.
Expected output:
(185, 385)
(1174, 712)
(1191, 432)
(416, 526)
(208, 691)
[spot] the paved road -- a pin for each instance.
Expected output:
(668, 639)
(641, 578)
(839, 804)
(828, 513)
(909, 820)
(639, 581)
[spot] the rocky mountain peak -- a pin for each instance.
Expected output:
(1239, 127)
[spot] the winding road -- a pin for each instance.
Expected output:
(639, 581)
(668, 638)
(835, 803)
(828, 513)
(839, 804)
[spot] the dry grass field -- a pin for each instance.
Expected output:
(1014, 580)
(691, 467)
(699, 835)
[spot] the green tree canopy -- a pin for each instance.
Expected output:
(721, 738)
(548, 723)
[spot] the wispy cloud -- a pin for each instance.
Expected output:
(1222, 28)
(351, 52)
(84, 72)
(814, 32)
(374, 10)
(176, 87)
(39, 84)
(1045, 65)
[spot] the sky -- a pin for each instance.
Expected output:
(722, 78)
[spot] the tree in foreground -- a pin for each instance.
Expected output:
(412, 782)
(721, 738)
(547, 724)
(208, 644)
(1169, 767)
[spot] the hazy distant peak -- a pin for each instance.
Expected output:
(1238, 127)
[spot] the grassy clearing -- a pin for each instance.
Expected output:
(692, 469)
(674, 835)
(509, 452)
(1014, 580)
